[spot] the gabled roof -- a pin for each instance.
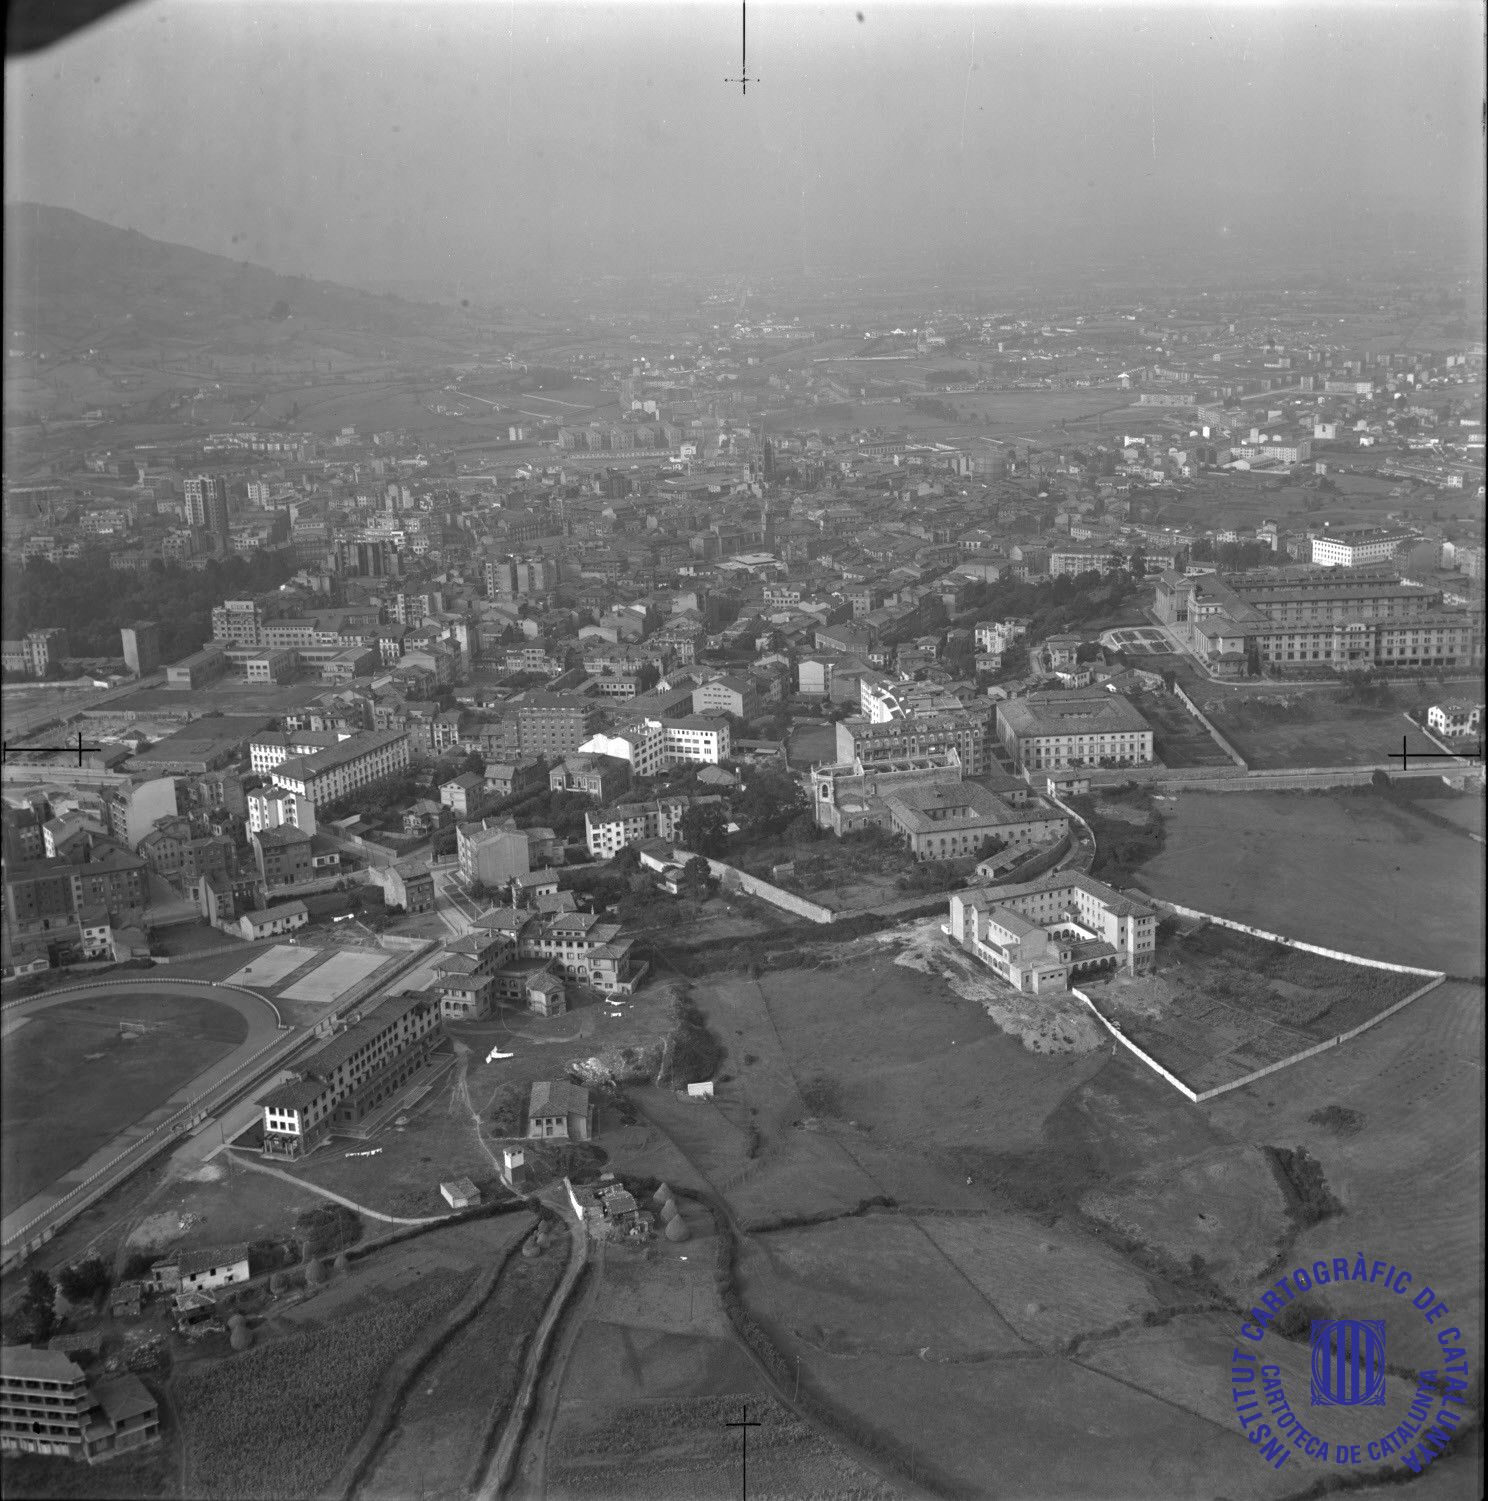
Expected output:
(210, 1258)
(558, 1098)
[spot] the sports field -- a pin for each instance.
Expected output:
(1356, 872)
(336, 976)
(77, 1074)
(273, 966)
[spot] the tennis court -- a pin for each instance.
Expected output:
(336, 976)
(269, 968)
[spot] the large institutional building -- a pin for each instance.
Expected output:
(927, 804)
(1351, 546)
(1047, 933)
(341, 769)
(346, 1078)
(1048, 731)
(1349, 617)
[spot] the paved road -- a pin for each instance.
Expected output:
(245, 1159)
(456, 910)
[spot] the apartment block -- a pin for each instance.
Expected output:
(49, 1406)
(337, 772)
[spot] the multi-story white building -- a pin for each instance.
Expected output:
(269, 749)
(999, 635)
(48, 1406)
(1454, 719)
(609, 830)
(1073, 729)
(1351, 546)
(650, 746)
(357, 761)
(1045, 933)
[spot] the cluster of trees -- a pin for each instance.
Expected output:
(1232, 557)
(34, 1320)
(94, 600)
(374, 800)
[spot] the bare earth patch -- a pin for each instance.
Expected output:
(1049, 1023)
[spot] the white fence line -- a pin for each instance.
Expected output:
(1433, 978)
(1126, 1042)
(1291, 943)
(66, 990)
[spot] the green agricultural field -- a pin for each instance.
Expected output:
(435, 1442)
(1355, 872)
(682, 1450)
(1023, 1308)
(74, 1079)
(1315, 729)
(277, 1420)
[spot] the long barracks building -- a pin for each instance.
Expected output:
(348, 1077)
(1345, 617)
(341, 769)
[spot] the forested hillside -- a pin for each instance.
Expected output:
(93, 600)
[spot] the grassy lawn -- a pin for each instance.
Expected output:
(811, 742)
(219, 1202)
(1315, 729)
(73, 1079)
(680, 1449)
(1355, 872)
(1092, 1185)
(192, 938)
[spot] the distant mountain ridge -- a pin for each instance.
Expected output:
(70, 278)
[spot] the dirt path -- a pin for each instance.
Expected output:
(498, 1473)
(530, 1479)
(325, 1193)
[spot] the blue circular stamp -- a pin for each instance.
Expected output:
(1287, 1412)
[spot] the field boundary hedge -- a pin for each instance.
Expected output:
(835, 1424)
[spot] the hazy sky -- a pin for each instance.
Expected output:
(375, 141)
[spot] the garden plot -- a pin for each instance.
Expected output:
(1225, 1004)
